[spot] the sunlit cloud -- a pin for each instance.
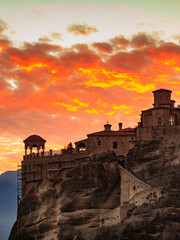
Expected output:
(55, 92)
(32, 66)
(106, 79)
(13, 84)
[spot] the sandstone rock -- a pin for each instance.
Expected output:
(72, 209)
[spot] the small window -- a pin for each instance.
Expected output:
(134, 187)
(159, 121)
(99, 142)
(114, 144)
(132, 138)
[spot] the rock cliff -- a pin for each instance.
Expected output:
(71, 210)
(156, 162)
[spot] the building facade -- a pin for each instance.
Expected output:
(163, 112)
(161, 118)
(41, 169)
(108, 140)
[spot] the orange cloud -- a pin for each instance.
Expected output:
(106, 79)
(64, 93)
(3, 26)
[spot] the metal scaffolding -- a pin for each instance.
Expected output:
(19, 184)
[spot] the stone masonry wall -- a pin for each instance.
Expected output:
(124, 143)
(110, 218)
(124, 210)
(148, 196)
(116, 215)
(46, 171)
(154, 133)
(130, 185)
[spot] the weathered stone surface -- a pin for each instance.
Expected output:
(73, 208)
(157, 163)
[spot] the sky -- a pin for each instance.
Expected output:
(68, 67)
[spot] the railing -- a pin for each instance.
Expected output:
(54, 153)
(41, 154)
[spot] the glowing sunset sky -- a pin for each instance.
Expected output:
(68, 67)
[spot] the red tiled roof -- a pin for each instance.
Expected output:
(83, 140)
(123, 132)
(129, 130)
(34, 138)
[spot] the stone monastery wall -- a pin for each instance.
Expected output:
(134, 192)
(148, 196)
(156, 133)
(124, 143)
(110, 218)
(130, 185)
(49, 170)
(116, 215)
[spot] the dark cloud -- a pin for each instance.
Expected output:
(169, 48)
(103, 47)
(143, 39)
(139, 40)
(79, 56)
(3, 26)
(128, 61)
(81, 29)
(119, 41)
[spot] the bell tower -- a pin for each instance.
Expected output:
(34, 141)
(162, 98)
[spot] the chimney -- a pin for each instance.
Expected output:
(107, 127)
(120, 126)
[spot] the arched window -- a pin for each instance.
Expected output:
(121, 160)
(81, 147)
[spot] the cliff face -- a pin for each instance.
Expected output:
(158, 164)
(72, 208)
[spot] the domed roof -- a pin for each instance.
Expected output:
(34, 138)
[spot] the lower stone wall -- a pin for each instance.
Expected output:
(124, 143)
(156, 133)
(115, 216)
(124, 210)
(110, 218)
(148, 196)
(130, 185)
